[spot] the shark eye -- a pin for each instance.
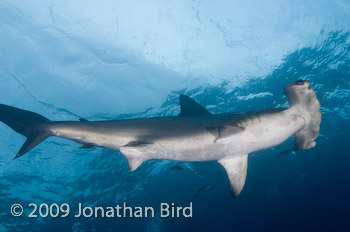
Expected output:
(299, 82)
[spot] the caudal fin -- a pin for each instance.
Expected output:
(33, 126)
(303, 98)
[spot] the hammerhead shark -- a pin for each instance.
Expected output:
(194, 135)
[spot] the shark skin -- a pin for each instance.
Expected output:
(195, 135)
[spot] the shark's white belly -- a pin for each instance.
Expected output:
(269, 132)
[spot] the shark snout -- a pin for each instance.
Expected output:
(298, 88)
(301, 83)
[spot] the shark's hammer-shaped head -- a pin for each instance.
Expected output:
(299, 92)
(303, 99)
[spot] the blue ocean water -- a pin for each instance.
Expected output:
(117, 60)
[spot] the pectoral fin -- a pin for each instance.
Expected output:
(236, 169)
(134, 157)
(223, 133)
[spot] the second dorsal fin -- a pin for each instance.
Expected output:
(190, 107)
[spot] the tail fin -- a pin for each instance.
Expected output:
(304, 99)
(31, 125)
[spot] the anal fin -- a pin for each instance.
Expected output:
(134, 157)
(88, 145)
(236, 169)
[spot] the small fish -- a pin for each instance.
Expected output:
(176, 167)
(203, 188)
(286, 152)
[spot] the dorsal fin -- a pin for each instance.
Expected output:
(190, 107)
(83, 120)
